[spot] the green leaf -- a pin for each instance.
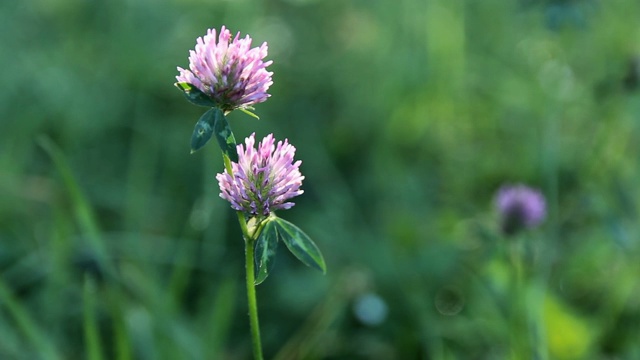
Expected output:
(266, 246)
(204, 129)
(194, 95)
(224, 135)
(300, 244)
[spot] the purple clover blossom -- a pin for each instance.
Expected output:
(263, 179)
(519, 207)
(229, 71)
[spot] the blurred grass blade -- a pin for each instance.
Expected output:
(40, 342)
(265, 253)
(82, 210)
(121, 336)
(181, 274)
(93, 345)
(300, 244)
(309, 341)
(221, 319)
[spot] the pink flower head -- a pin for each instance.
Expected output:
(519, 207)
(263, 179)
(229, 71)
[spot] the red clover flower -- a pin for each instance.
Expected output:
(519, 207)
(263, 179)
(228, 71)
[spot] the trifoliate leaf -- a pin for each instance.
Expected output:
(194, 95)
(203, 129)
(224, 135)
(300, 244)
(265, 252)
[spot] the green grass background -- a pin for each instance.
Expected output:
(407, 115)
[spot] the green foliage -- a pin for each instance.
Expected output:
(203, 130)
(300, 244)
(213, 122)
(194, 95)
(265, 253)
(224, 135)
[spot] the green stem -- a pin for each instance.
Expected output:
(252, 302)
(518, 322)
(536, 319)
(535, 300)
(249, 244)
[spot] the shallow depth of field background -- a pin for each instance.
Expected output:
(407, 115)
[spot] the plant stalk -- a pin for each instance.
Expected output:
(252, 303)
(518, 321)
(251, 299)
